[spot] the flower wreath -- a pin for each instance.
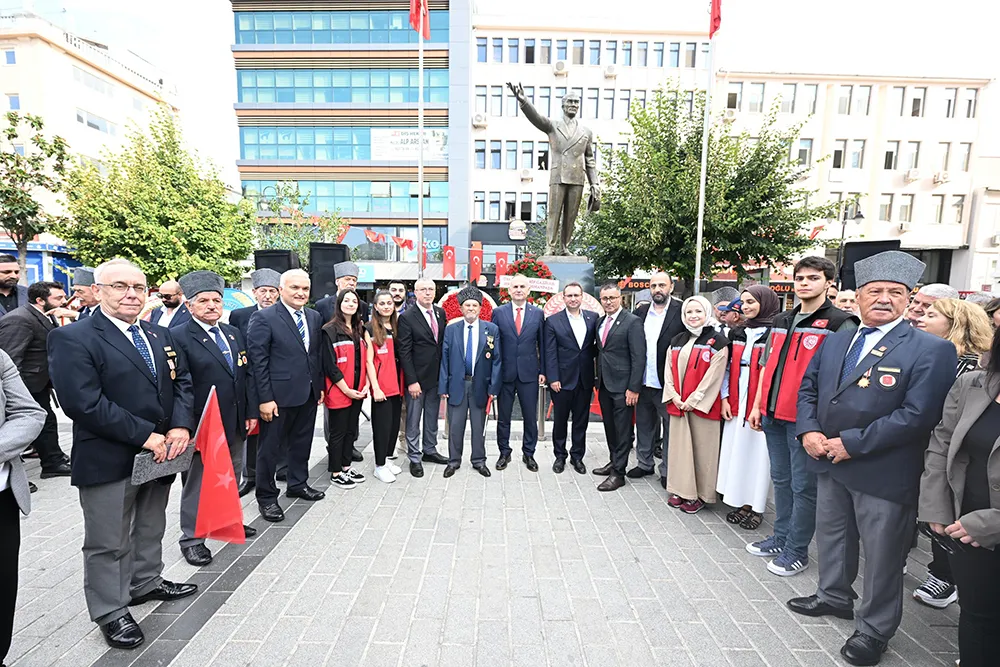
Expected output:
(453, 309)
(530, 266)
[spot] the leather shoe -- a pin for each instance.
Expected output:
(579, 467)
(166, 591)
(558, 466)
(246, 487)
(612, 483)
(435, 458)
(658, 452)
(604, 471)
(860, 649)
(272, 512)
(356, 455)
(663, 483)
(197, 555)
(31, 487)
(249, 531)
(281, 476)
(123, 632)
(637, 473)
(502, 462)
(305, 493)
(529, 462)
(416, 469)
(449, 471)
(61, 470)
(813, 606)
(483, 470)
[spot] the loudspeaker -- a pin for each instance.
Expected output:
(856, 251)
(322, 258)
(279, 260)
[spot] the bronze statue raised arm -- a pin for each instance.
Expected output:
(571, 166)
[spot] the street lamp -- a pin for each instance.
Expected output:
(843, 232)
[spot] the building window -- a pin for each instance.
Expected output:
(788, 98)
(938, 208)
(595, 52)
(14, 103)
(857, 153)
(511, 157)
(337, 27)
(525, 213)
(527, 154)
(96, 123)
(9, 57)
(529, 51)
(734, 96)
(891, 155)
(498, 49)
(364, 197)
(494, 155)
(640, 98)
(627, 54)
(689, 101)
(805, 152)
(844, 100)
(944, 153)
(305, 143)
(509, 205)
(541, 206)
(755, 92)
(494, 206)
(964, 155)
(958, 203)
(545, 52)
(603, 157)
(852, 203)
(897, 100)
(675, 54)
(862, 100)
(690, 52)
(579, 93)
(950, 102)
(590, 104)
(479, 205)
(912, 154)
(839, 153)
(608, 104)
(543, 155)
(624, 99)
(971, 101)
(561, 45)
(885, 207)
(917, 102)
(641, 54)
(545, 100)
(357, 86)
(610, 52)
(480, 154)
(577, 51)
(513, 108)
(810, 93)
(480, 49)
(560, 94)
(906, 208)
(513, 48)
(480, 99)
(496, 100)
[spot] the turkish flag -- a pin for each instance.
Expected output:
(448, 270)
(220, 513)
(475, 265)
(406, 244)
(374, 237)
(501, 266)
(716, 18)
(423, 257)
(418, 7)
(815, 232)
(343, 234)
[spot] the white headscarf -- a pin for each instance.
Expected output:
(709, 313)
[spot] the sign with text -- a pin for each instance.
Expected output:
(405, 144)
(534, 284)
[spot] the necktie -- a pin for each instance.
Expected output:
(434, 324)
(300, 321)
(220, 341)
(468, 352)
(517, 321)
(143, 349)
(854, 354)
(607, 328)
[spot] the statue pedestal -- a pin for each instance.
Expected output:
(571, 268)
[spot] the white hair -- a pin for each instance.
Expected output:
(292, 273)
(424, 281)
(939, 291)
(981, 298)
(101, 269)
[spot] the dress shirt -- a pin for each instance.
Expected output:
(475, 340)
(305, 320)
(652, 326)
(579, 326)
(609, 322)
(872, 339)
(431, 320)
(168, 315)
(208, 329)
(123, 327)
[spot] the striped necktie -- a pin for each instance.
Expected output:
(221, 342)
(300, 322)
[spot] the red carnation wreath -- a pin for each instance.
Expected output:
(530, 266)
(453, 309)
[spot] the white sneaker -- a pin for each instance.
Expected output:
(383, 474)
(393, 468)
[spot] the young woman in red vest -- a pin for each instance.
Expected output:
(696, 364)
(744, 466)
(386, 385)
(345, 345)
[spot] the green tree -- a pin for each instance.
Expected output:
(32, 168)
(159, 206)
(283, 225)
(755, 211)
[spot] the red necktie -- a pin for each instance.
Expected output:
(517, 321)
(604, 334)
(434, 324)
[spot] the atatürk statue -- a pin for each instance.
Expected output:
(571, 160)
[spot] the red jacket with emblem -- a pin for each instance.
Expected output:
(708, 345)
(738, 340)
(339, 357)
(388, 371)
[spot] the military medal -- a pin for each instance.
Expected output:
(865, 382)
(173, 375)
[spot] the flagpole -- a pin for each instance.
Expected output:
(420, 132)
(704, 166)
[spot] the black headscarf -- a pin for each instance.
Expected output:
(770, 305)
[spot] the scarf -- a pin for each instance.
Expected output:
(709, 313)
(770, 305)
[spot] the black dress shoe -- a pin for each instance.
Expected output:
(579, 467)
(658, 452)
(356, 455)
(305, 493)
(502, 462)
(246, 487)
(612, 483)
(166, 591)
(813, 606)
(123, 633)
(860, 649)
(416, 469)
(604, 471)
(61, 470)
(31, 487)
(435, 458)
(249, 531)
(529, 462)
(483, 470)
(197, 555)
(449, 471)
(663, 483)
(272, 512)
(638, 473)
(281, 476)
(558, 466)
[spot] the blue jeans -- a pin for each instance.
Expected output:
(794, 488)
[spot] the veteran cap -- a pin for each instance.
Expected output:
(345, 270)
(470, 293)
(83, 276)
(265, 278)
(197, 282)
(891, 266)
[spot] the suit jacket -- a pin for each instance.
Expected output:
(182, 316)
(419, 353)
(22, 299)
(621, 361)
(22, 335)
(21, 420)
(885, 426)
(114, 400)
(284, 370)
(486, 372)
(522, 353)
(565, 361)
(240, 318)
(571, 151)
(673, 324)
(234, 387)
(328, 304)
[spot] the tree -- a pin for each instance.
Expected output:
(30, 168)
(755, 213)
(283, 224)
(159, 206)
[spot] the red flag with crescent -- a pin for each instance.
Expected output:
(405, 244)
(343, 234)
(501, 266)
(815, 232)
(374, 237)
(220, 512)
(716, 18)
(448, 269)
(475, 265)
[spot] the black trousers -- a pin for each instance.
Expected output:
(10, 545)
(385, 426)
(573, 402)
(292, 429)
(343, 433)
(617, 427)
(940, 565)
(977, 574)
(250, 459)
(50, 455)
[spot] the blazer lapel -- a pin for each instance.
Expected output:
(124, 345)
(884, 346)
(209, 343)
(481, 352)
(287, 317)
(976, 402)
(158, 353)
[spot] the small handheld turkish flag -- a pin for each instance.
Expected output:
(220, 513)
(448, 269)
(475, 265)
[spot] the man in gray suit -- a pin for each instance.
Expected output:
(21, 421)
(12, 295)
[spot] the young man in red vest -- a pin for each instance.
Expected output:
(794, 339)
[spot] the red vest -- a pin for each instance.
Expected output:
(709, 343)
(343, 352)
(739, 343)
(387, 371)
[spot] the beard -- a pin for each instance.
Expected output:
(659, 298)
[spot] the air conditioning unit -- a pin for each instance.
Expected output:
(560, 68)
(942, 177)
(729, 115)
(610, 72)
(905, 227)
(480, 120)
(995, 240)
(526, 175)
(911, 175)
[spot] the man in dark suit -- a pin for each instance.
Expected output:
(397, 289)
(126, 389)
(23, 334)
(621, 362)
(471, 363)
(217, 356)
(285, 357)
(570, 349)
(346, 275)
(661, 321)
(265, 292)
(866, 408)
(83, 280)
(12, 295)
(174, 312)
(420, 339)
(520, 325)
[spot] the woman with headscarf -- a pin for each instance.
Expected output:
(744, 467)
(696, 364)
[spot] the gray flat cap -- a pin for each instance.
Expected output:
(265, 278)
(470, 293)
(197, 282)
(83, 276)
(726, 294)
(891, 266)
(345, 269)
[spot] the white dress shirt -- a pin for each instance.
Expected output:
(475, 341)
(168, 316)
(579, 326)
(305, 321)
(652, 326)
(872, 339)
(123, 327)
(207, 327)
(608, 323)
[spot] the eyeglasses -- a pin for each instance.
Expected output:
(610, 298)
(122, 288)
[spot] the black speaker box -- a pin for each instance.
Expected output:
(856, 251)
(322, 258)
(279, 260)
